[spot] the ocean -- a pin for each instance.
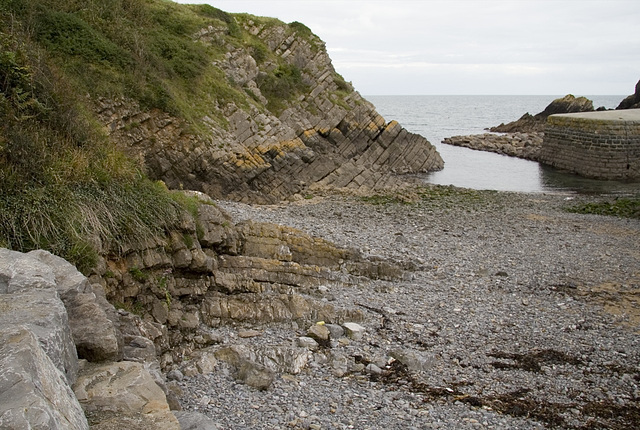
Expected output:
(437, 117)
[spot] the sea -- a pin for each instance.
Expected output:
(438, 116)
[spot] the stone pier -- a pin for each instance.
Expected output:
(601, 145)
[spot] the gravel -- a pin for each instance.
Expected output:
(516, 314)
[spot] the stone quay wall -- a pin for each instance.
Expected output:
(601, 145)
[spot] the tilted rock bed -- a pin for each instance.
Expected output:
(521, 145)
(517, 315)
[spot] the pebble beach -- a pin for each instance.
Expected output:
(513, 313)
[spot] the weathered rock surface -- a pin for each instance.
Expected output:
(34, 393)
(632, 101)
(329, 136)
(521, 145)
(42, 313)
(123, 395)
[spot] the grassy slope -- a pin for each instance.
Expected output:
(63, 185)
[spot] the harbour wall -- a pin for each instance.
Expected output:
(600, 145)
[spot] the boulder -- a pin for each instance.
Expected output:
(123, 395)
(42, 313)
(19, 272)
(34, 393)
(93, 320)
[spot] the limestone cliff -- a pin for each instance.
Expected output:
(297, 126)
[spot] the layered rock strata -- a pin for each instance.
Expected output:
(69, 359)
(251, 150)
(521, 145)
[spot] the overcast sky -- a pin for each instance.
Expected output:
(422, 47)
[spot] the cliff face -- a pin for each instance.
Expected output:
(297, 127)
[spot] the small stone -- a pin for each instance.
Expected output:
(307, 342)
(373, 369)
(353, 330)
(319, 332)
(175, 375)
(249, 333)
(335, 331)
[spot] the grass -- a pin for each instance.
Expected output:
(64, 185)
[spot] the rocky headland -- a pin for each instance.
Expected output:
(521, 138)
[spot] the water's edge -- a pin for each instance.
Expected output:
(437, 117)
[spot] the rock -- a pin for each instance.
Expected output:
(319, 332)
(255, 375)
(307, 342)
(195, 421)
(42, 312)
(123, 393)
(373, 369)
(20, 271)
(139, 349)
(34, 393)
(632, 101)
(353, 330)
(249, 333)
(335, 331)
(93, 320)
(413, 360)
(175, 375)
(529, 124)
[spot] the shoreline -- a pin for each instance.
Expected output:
(515, 314)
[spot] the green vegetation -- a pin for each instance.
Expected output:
(622, 207)
(280, 86)
(64, 185)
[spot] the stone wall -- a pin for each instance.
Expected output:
(601, 145)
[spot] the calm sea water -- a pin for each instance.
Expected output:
(437, 117)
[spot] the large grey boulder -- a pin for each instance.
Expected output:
(43, 313)
(33, 392)
(19, 271)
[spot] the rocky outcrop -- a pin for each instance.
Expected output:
(186, 285)
(264, 151)
(535, 123)
(521, 145)
(48, 313)
(632, 101)
(214, 271)
(522, 138)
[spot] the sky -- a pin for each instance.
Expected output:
(425, 47)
